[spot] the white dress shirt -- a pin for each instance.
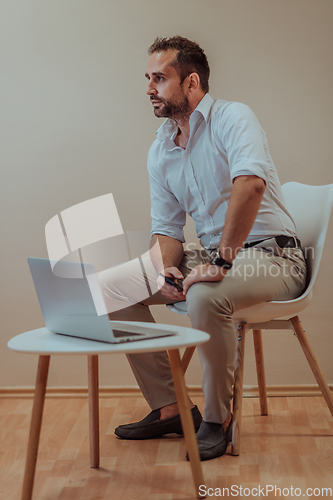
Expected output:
(226, 140)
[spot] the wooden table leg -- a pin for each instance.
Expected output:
(35, 427)
(186, 419)
(93, 397)
(238, 389)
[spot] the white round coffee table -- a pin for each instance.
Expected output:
(45, 343)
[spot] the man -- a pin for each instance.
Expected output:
(210, 160)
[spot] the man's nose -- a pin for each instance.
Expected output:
(150, 89)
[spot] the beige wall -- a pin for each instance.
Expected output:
(76, 124)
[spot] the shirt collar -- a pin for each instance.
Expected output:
(204, 107)
(168, 129)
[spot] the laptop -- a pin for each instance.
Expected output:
(68, 307)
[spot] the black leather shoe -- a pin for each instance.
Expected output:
(212, 440)
(152, 427)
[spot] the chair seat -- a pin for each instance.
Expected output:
(260, 313)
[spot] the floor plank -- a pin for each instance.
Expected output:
(291, 447)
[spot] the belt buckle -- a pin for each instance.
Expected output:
(286, 241)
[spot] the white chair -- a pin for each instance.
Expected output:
(310, 207)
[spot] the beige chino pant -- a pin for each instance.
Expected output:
(257, 276)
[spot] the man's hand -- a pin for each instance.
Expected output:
(204, 272)
(167, 290)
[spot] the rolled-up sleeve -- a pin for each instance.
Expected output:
(168, 217)
(244, 142)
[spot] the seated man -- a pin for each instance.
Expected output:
(210, 160)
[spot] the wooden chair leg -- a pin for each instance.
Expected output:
(309, 354)
(238, 389)
(93, 410)
(35, 427)
(187, 356)
(186, 419)
(259, 354)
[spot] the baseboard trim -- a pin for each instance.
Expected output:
(118, 392)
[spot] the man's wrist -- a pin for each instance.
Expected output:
(217, 260)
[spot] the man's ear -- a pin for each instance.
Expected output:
(193, 81)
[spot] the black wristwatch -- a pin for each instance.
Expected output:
(217, 260)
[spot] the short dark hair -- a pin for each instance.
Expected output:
(190, 58)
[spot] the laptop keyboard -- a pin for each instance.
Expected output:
(120, 333)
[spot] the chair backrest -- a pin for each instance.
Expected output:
(310, 207)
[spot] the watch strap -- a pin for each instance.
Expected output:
(217, 260)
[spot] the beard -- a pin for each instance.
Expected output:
(179, 109)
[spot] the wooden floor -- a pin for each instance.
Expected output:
(292, 447)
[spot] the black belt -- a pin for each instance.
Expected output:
(282, 241)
